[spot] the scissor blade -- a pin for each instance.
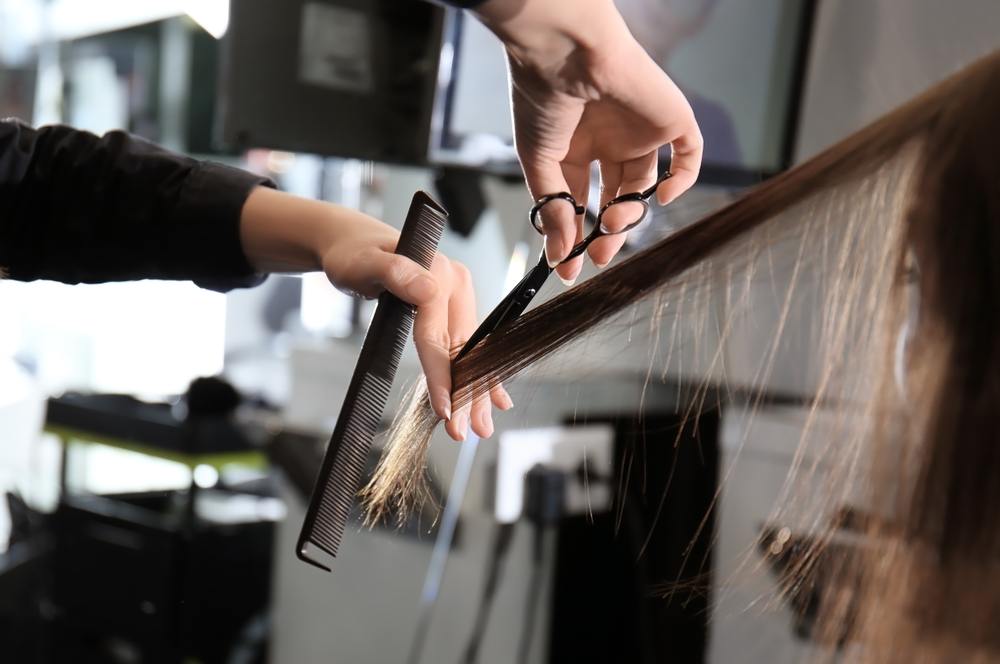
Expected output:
(512, 306)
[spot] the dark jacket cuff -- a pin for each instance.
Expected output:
(206, 226)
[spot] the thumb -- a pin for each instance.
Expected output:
(376, 270)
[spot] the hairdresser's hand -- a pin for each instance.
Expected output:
(283, 233)
(583, 90)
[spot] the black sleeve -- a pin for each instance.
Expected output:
(76, 208)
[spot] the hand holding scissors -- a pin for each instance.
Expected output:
(633, 206)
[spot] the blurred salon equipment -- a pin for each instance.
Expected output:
(160, 545)
(22, 407)
(155, 79)
(575, 488)
(333, 77)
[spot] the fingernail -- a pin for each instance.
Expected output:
(601, 266)
(443, 407)
(549, 250)
(423, 288)
(567, 282)
(462, 424)
(506, 402)
(487, 421)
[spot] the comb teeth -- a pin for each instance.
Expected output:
(347, 455)
(419, 239)
(334, 506)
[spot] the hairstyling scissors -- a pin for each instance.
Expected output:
(515, 302)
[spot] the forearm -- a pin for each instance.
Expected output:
(285, 233)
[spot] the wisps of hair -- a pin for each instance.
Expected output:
(393, 491)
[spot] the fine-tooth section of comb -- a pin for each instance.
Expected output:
(343, 466)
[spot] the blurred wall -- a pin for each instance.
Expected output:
(870, 56)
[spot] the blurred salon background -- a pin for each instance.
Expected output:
(158, 442)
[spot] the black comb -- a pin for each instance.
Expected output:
(344, 464)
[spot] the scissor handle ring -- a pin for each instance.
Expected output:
(635, 197)
(536, 223)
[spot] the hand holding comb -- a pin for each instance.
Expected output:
(344, 464)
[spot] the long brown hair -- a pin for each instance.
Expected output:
(923, 450)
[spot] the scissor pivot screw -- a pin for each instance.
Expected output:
(530, 292)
